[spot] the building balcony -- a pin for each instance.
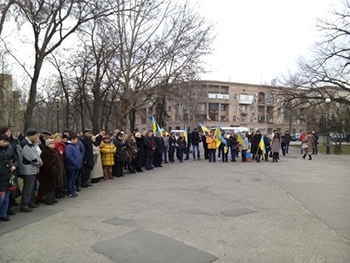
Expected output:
(244, 113)
(218, 96)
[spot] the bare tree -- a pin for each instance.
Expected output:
(330, 64)
(5, 6)
(160, 43)
(52, 23)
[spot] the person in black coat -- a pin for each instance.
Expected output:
(172, 146)
(287, 139)
(120, 156)
(13, 143)
(233, 145)
(159, 150)
(205, 146)
(150, 148)
(140, 158)
(8, 164)
(88, 160)
(256, 151)
(195, 140)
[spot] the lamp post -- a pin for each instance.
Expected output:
(57, 101)
(328, 101)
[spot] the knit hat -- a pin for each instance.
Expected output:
(46, 133)
(49, 141)
(31, 132)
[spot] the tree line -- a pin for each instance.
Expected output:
(110, 58)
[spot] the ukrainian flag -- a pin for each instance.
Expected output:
(240, 138)
(221, 139)
(262, 145)
(204, 129)
(186, 135)
(154, 125)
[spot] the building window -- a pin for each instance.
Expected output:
(251, 119)
(243, 108)
(234, 107)
(223, 107)
(223, 118)
(260, 109)
(201, 106)
(243, 119)
(252, 108)
(235, 96)
(235, 119)
(269, 98)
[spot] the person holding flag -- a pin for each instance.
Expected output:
(205, 133)
(256, 150)
(221, 144)
(211, 141)
(262, 146)
(187, 144)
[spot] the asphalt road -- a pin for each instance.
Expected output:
(291, 211)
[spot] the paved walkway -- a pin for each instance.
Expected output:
(292, 211)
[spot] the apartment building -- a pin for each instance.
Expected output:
(10, 114)
(233, 105)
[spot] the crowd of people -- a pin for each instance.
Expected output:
(58, 165)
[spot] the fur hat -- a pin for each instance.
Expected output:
(49, 141)
(31, 132)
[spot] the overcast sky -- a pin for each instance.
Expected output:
(260, 40)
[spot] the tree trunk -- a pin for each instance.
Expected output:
(132, 119)
(28, 115)
(123, 115)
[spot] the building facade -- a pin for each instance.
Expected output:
(10, 114)
(257, 107)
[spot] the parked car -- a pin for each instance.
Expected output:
(338, 137)
(296, 137)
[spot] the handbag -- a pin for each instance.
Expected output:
(304, 146)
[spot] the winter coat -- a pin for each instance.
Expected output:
(97, 172)
(195, 138)
(255, 144)
(141, 153)
(89, 152)
(108, 150)
(120, 153)
(7, 159)
(29, 158)
(149, 146)
(211, 142)
(310, 143)
(52, 170)
(181, 143)
(287, 138)
(131, 151)
(232, 143)
(73, 157)
(275, 145)
(160, 144)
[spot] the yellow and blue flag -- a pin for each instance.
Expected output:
(262, 145)
(154, 125)
(240, 138)
(221, 138)
(204, 129)
(186, 135)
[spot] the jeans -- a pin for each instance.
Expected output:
(4, 203)
(165, 154)
(233, 155)
(315, 149)
(212, 153)
(243, 153)
(181, 154)
(287, 147)
(194, 147)
(71, 178)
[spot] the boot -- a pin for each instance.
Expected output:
(304, 156)
(310, 157)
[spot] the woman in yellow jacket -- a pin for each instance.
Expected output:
(108, 150)
(211, 142)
